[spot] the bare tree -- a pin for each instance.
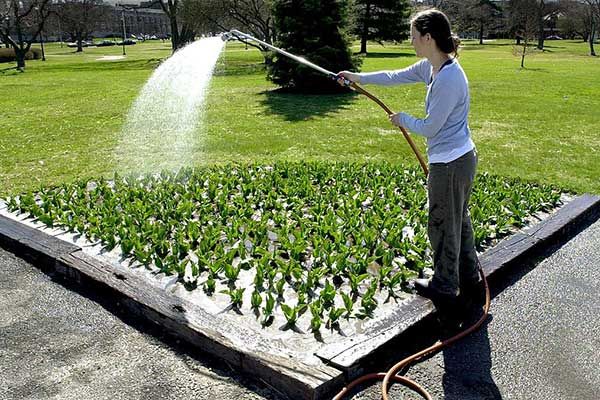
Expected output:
(546, 10)
(251, 16)
(193, 13)
(80, 18)
(485, 13)
(540, 9)
(520, 11)
(593, 13)
(26, 21)
(573, 21)
(184, 19)
(171, 8)
(439, 4)
(523, 15)
(190, 17)
(254, 16)
(473, 15)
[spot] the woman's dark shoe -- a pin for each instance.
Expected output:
(424, 288)
(450, 311)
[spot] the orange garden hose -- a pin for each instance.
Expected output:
(355, 87)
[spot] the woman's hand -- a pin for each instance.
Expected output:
(395, 119)
(347, 75)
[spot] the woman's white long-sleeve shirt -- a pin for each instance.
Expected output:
(446, 105)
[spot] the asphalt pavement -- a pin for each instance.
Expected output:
(541, 341)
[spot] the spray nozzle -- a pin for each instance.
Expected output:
(342, 80)
(235, 34)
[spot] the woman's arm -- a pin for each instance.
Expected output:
(418, 72)
(443, 99)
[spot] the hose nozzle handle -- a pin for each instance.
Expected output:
(344, 81)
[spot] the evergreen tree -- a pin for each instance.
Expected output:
(380, 20)
(317, 31)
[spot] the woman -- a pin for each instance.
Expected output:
(452, 158)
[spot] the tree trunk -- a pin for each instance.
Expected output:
(363, 44)
(592, 52)
(481, 32)
(174, 35)
(541, 26)
(268, 57)
(20, 56)
(365, 30)
(187, 35)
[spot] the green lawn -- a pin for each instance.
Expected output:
(62, 119)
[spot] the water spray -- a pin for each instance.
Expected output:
(392, 374)
(235, 34)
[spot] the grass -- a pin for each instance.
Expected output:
(62, 119)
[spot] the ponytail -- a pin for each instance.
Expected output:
(455, 44)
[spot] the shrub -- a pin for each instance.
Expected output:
(8, 55)
(316, 30)
(34, 54)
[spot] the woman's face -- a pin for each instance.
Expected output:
(419, 42)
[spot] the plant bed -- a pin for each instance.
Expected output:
(289, 260)
(325, 241)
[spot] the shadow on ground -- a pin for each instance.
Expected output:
(109, 65)
(386, 55)
(468, 368)
(300, 106)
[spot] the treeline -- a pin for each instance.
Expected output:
(285, 22)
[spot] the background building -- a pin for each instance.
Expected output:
(139, 21)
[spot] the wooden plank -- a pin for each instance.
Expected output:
(521, 244)
(10, 230)
(348, 353)
(289, 382)
(578, 208)
(31, 243)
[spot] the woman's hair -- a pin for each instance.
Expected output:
(436, 23)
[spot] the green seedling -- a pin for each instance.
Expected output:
(255, 300)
